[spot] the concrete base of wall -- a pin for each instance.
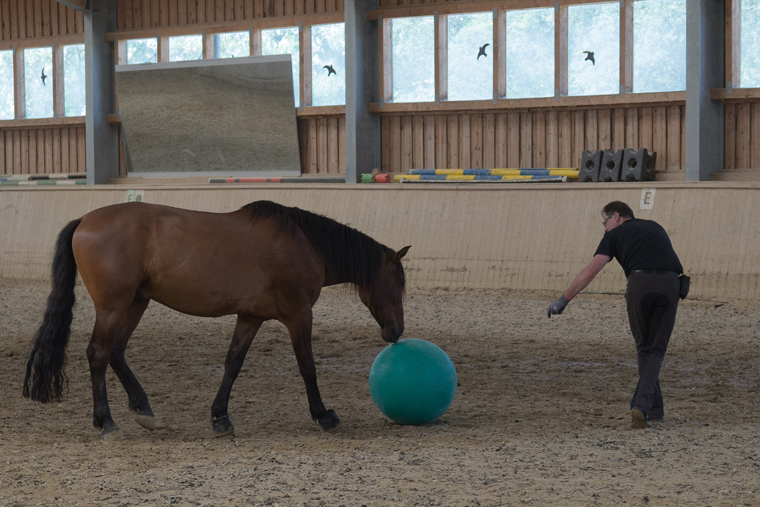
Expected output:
(515, 236)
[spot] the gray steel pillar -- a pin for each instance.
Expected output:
(704, 70)
(102, 140)
(362, 87)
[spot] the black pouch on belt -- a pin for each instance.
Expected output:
(685, 284)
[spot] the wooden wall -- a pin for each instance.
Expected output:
(742, 135)
(533, 138)
(138, 14)
(323, 144)
(459, 234)
(26, 19)
(42, 150)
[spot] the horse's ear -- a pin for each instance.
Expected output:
(401, 253)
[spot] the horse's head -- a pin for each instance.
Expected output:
(384, 298)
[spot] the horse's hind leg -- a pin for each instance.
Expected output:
(138, 400)
(245, 331)
(300, 338)
(107, 325)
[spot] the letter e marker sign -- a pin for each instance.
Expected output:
(647, 198)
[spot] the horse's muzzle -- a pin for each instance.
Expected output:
(391, 334)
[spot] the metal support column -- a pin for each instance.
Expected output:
(362, 87)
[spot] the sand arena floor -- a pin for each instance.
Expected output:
(540, 417)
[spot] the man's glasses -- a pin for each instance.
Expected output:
(604, 222)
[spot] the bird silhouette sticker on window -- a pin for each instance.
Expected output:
(482, 51)
(590, 56)
(43, 76)
(330, 70)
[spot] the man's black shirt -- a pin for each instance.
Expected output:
(640, 244)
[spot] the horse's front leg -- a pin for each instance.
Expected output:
(245, 331)
(300, 338)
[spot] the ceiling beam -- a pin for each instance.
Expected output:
(82, 6)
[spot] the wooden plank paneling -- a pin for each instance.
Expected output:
(513, 140)
(632, 128)
(729, 135)
(674, 139)
(552, 139)
(565, 139)
(476, 141)
(428, 161)
(755, 135)
(465, 157)
(395, 152)
(489, 137)
(385, 143)
(321, 145)
(617, 139)
(526, 140)
(418, 141)
(332, 145)
(441, 142)
(743, 136)
(592, 133)
(578, 138)
(539, 139)
(645, 127)
(604, 126)
(406, 143)
(453, 141)
(659, 137)
(501, 140)
(342, 145)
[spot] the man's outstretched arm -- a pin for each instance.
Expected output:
(581, 281)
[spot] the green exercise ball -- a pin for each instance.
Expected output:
(412, 381)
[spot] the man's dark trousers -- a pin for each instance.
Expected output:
(652, 301)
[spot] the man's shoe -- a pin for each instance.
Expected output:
(655, 419)
(638, 418)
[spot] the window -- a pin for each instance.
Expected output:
(470, 57)
(328, 54)
(749, 40)
(659, 45)
(142, 51)
(186, 47)
(7, 111)
(232, 45)
(530, 53)
(593, 28)
(284, 41)
(38, 82)
(74, 101)
(413, 57)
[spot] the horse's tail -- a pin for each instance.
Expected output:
(48, 356)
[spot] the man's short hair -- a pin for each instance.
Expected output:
(618, 207)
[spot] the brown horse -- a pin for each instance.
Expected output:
(264, 261)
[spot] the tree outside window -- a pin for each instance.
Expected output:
(38, 82)
(284, 41)
(413, 57)
(530, 53)
(186, 47)
(232, 45)
(470, 70)
(659, 45)
(328, 54)
(74, 99)
(142, 51)
(594, 28)
(749, 41)
(7, 97)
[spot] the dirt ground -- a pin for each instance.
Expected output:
(540, 416)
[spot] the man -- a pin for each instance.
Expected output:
(643, 249)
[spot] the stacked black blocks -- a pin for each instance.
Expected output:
(638, 165)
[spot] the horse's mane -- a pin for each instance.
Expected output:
(351, 254)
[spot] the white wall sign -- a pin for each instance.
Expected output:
(647, 198)
(135, 195)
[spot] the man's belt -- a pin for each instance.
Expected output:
(657, 272)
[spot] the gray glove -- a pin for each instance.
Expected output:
(557, 306)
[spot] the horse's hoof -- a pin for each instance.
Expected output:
(222, 426)
(146, 421)
(329, 422)
(112, 435)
